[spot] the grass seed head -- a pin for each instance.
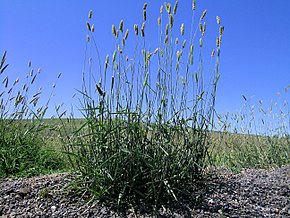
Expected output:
(126, 34)
(114, 57)
(119, 49)
(100, 91)
(222, 29)
(175, 7)
(166, 39)
(200, 42)
(90, 14)
(114, 30)
(89, 26)
(161, 9)
(136, 29)
(166, 29)
(16, 81)
(121, 26)
(171, 20)
(156, 50)
(178, 55)
(184, 43)
(143, 29)
(218, 20)
(182, 29)
(144, 15)
(217, 42)
(168, 7)
(159, 21)
(193, 4)
(203, 15)
(203, 28)
(149, 54)
(176, 41)
(5, 81)
(107, 62)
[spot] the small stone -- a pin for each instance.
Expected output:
(53, 208)
(24, 191)
(210, 201)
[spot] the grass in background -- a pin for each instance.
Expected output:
(23, 151)
(145, 136)
(254, 138)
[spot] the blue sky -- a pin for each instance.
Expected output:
(255, 54)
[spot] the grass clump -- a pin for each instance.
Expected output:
(22, 149)
(145, 135)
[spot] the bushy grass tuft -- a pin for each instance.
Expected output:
(145, 137)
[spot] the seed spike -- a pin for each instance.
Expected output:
(184, 43)
(218, 20)
(161, 9)
(166, 29)
(222, 28)
(100, 91)
(89, 26)
(126, 34)
(203, 14)
(203, 28)
(175, 7)
(168, 7)
(182, 29)
(114, 30)
(193, 4)
(90, 14)
(121, 26)
(171, 20)
(143, 29)
(166, 39)
(144, 15)
(136, 29)
(218, 41)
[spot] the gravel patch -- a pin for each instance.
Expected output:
(251, 193)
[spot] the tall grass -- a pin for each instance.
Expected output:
(147, 117)
(256, 137)
(22, 150)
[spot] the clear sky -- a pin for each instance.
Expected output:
(255, 53)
